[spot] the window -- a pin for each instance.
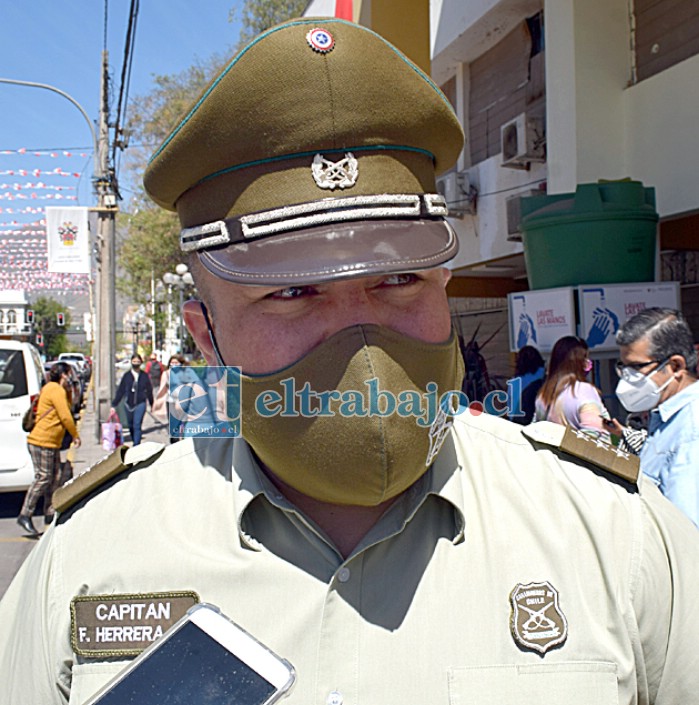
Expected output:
(13, 375)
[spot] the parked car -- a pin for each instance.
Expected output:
(83, 363)
(21, 379)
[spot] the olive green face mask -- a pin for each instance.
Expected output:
(357, 420)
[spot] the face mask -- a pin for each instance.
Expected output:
(587, 366)
(640, 394)
(136, 366)
(374, 433)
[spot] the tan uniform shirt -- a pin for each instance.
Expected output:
(420, 613)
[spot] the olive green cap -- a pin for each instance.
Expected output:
(312, 155)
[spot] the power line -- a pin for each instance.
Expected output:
(125, 76)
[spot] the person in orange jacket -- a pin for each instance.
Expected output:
(53, 419)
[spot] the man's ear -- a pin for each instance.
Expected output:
(678, 363)
(195, 320)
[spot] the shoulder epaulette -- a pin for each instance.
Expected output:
(582, 445)
(99, 474)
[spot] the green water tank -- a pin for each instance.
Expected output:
(604, 233)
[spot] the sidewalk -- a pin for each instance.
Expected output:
(91, 451)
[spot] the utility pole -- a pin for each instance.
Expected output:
(105, 325)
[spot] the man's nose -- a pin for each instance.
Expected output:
(353, 306)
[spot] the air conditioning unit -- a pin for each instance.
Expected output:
(522, 141)
(458, 193)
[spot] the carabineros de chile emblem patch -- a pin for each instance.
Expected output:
(537, 622)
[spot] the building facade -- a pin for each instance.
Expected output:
(13, 313)
(552, 94)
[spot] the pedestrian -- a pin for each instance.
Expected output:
(154, 370)
(393, 554)
(135, 389)
(163, 400)
(529, 376)
(54, 420)
(566, 397)
(657, 373)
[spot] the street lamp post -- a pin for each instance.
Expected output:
(104, 318)
(137, 325)
(180, 279)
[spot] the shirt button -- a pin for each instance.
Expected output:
(334, 698)
(343, 575)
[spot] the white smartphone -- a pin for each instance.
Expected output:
(203, 659)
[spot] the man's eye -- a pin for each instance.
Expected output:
(291, 292)
(399, 279)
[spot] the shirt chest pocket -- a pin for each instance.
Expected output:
(572, 683)
(88, 678)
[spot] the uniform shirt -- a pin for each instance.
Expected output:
(419, 613)
(669, 455)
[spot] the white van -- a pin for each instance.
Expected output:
(21, 378)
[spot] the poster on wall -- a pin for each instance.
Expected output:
(540, 318)
(606, 307)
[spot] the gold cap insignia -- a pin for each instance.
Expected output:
(537, 622)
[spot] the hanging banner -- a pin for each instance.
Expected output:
(67, 236)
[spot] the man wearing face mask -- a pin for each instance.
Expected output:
(394, 554)
(658, 374)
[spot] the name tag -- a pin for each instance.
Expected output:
(124, 625)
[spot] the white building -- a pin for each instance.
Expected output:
(13, 313)
(586, 90)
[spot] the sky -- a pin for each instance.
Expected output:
(60, 43)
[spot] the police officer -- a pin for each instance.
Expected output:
(392, 553)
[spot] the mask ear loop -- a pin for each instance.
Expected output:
(212, 336)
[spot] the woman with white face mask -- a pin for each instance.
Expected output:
(566, 396)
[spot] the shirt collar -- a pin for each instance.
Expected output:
(440, 481)
(678, 401)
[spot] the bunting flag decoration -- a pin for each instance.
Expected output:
(38, 185)
(67, 235)
(29, 182)
(10, 196)
(45, 152)
(39, 172)
(28, 209)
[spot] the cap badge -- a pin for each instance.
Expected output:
(320, 40)
(332, 175)
(537, 622)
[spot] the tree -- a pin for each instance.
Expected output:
(45, 322)
(259, 15)
(148, 237)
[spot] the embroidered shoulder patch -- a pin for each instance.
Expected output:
(583, 446)
(99, 474)
(537, 622)
(103, 626)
